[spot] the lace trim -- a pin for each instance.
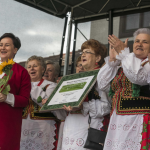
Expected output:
(112, 63)
(118, 129)
(29, 141)
(123, 53)
(137, 77)
(53, 134)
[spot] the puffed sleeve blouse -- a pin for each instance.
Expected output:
(136, 70)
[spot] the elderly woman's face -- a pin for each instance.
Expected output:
(79, 67)
(35, 70)
(141, 46)
(7, 49)
(50, 73)
(89, 59)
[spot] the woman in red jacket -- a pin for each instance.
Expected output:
(11, 105)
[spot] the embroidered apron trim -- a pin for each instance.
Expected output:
(133, 105)
(35, 114)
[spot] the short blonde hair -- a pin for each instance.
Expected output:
(38, 58)
(55, 65)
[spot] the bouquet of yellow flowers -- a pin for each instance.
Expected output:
(6, 68)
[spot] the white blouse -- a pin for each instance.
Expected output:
(37, 91)
(132, 68)
(97, 108)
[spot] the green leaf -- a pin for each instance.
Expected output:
(39, 99)
(8, 87)
(6, 90)
(7, 72)
(2, 81)
(144, 147)
(11, 73)
(5, 78)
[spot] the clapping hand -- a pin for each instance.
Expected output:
(112, 54)
(116, 43)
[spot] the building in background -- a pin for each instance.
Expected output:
(123, 27)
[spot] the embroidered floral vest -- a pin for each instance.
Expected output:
(129, 98)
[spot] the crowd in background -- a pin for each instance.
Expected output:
(118, 103)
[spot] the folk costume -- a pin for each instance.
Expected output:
(76, 125)
(38, 129)
(61, 115)
(11, 109)
(127, 85)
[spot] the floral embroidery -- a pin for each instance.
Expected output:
(124, 94)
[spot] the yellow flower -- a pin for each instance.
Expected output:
(10, 62)
(1, 69)
(4, 64)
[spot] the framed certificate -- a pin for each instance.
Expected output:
(71, 90)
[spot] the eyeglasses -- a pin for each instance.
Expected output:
(80, 65)
(86, 52)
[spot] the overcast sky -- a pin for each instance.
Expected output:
(40, 33)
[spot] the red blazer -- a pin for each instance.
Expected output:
(11, 117)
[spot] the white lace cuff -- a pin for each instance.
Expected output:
(10, 99)
(86, 108)
(123, 53)
(112, 63)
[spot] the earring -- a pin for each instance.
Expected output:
(96, 63)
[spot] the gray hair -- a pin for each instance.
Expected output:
(140, 31)
(38, 58)
(55, 65)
